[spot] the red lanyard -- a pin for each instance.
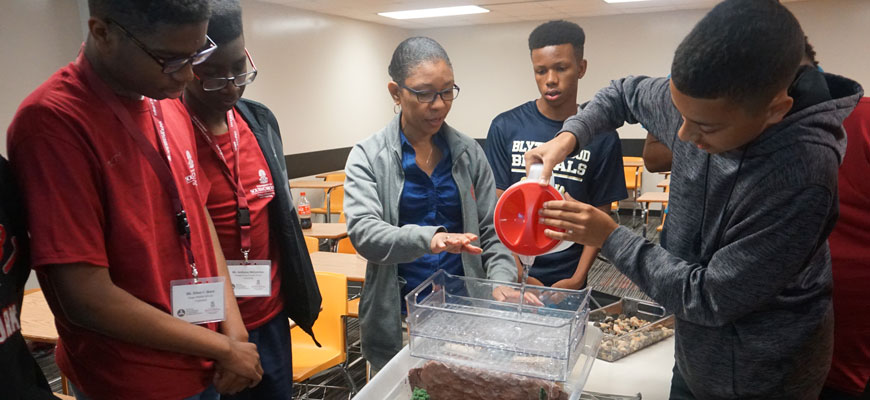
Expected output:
(159, 160)
(243, 213)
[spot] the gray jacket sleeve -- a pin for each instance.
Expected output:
(775, 235)
(635, 99)
(375, 239)
(497, 259)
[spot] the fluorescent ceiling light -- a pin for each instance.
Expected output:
(621, 1)
(434, 12)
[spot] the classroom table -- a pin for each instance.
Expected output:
(632, 163)
(648, 372)
(664, 183)
(37, 324)
(325, 174)
(311, 184)
(645, 200)
(37, 321)
(331, 231)
(351, 265)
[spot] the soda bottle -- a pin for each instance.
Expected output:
(303, 208)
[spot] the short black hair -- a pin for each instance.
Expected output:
(411, 53)
(142, 16)
(554, 33)
(742, 50)
(810, 52)
(225, 24)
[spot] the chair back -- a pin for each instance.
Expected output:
(312, 243)
(345, 246)
(633, 175)
(336, 197)
(329, 327)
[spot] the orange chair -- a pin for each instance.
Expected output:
(345, 246)
(353, 307)
(633, 181)
(312, 243)
(310, 360)
(336, 197)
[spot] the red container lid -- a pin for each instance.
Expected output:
(516, 218)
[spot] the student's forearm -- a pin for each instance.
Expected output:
(92, 301)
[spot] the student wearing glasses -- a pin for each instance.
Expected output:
(419, 197)
(241, 154)
(121, 241)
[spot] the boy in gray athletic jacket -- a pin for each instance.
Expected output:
(744, 265)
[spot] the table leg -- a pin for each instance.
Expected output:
(328, 203)
(644, 213)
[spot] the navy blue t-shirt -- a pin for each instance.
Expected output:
(429, 201)
(594, 176)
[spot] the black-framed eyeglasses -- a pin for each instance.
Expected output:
(427, 96)
(215, 84)
(173, 64)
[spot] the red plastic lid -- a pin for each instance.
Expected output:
(516, 218)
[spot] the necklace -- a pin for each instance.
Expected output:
(431, 150)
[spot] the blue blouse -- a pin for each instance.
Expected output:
(429, 201)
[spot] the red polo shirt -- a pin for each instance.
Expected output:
(222, 206)
(92, 197)
(850, 258)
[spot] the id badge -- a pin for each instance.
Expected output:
(198, 303)
(252, 278)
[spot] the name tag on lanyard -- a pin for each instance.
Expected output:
(198, 301)
(252, 278)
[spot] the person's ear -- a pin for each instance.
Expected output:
(779, 107)
(99, 31)
(581, 68)
(393, 88)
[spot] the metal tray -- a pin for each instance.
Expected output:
(658, 327)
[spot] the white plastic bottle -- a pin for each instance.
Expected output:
(303, 208)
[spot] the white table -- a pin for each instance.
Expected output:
(647, 372)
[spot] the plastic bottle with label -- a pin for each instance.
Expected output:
(303, 208)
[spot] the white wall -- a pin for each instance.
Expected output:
(492, 66)
(324, 77)
(36, 38)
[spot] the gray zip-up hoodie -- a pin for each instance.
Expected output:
(375, 179)
(745, 265)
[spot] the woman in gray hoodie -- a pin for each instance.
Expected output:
(419, 197)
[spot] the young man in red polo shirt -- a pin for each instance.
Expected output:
(240, 151)
(121, 241)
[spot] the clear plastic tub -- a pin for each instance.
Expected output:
(455, 319)
(656, 326)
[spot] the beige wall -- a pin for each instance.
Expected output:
(495, 74)
(324, 77)
(36, 38)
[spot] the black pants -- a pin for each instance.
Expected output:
(679, 388)
(833, 394)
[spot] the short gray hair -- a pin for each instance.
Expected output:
(411, 53)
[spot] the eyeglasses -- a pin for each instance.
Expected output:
(215, 84)
(426, 96)
(173, 64)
